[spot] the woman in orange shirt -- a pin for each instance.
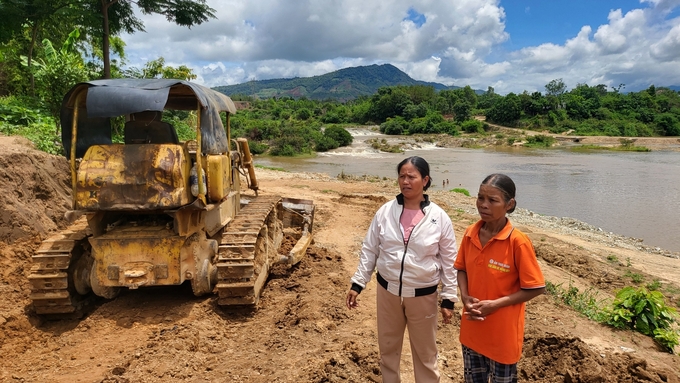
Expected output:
(497, 273)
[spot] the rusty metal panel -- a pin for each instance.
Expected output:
(133, 177)
(138, 256)
(219, 214)
(188, 221)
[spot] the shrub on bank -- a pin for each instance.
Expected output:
(637, 309)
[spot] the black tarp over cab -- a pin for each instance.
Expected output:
(100, 100)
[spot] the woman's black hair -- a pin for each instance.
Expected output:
(421, 165)
(504, 184)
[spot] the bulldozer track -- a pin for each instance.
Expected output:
(246, 249)
(52, 292)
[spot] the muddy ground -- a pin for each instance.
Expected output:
(301, 331)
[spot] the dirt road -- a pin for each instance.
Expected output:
(566, 139)
(301, 332)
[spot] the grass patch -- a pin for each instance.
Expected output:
(271, 168)
(654, 285)
(585, 302)
(635, 277)
(540, 141)
(461, 191)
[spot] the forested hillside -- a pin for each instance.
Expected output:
(342, 85)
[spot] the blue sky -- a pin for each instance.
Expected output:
(533, 22)
(510, 45)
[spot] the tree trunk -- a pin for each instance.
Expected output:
(105, 39)
(34, 35)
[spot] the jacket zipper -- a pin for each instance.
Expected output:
(403, 258)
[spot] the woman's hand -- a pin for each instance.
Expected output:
(479, 310)
(447, 314)
(484, 308)
(351, 300)
(471, 310)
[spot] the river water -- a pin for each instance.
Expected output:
(633, 194)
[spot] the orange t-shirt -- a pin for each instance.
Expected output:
(506, 264)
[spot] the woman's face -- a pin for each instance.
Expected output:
(491, 203)
(411, 183)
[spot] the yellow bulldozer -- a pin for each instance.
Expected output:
(157, 211)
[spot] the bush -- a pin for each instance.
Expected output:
(303, 114)
(393, 126)
(290, 145)
(461, 191)
(540, 141)
(668, 124)
(340, 135)
(257, 147)
(645, 312)
(23, 117)
(473, 126)
(325, 144)
(449, 127)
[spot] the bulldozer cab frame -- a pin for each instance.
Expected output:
(88, 107)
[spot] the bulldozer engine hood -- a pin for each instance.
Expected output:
(104, 99)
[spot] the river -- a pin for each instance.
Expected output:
(628, 193)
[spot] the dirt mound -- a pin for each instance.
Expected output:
(35, 190)
(559, 359)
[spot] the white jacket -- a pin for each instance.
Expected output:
(425, 261)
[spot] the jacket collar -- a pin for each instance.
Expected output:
(423, 204)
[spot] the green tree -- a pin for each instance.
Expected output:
(506, 110)
(576, 108)
(388, 102)
(488, 99)
(58, 72)
(667, 124)
(556, 88)
(469, 95)
(182, 12)
(462, 110)
(27, 19)
(446, 99)
(158, 69)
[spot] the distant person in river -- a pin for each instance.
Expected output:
(412, 245)
(497, 273)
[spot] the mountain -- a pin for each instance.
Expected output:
(344, 84)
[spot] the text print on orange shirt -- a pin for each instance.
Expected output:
(499, 266)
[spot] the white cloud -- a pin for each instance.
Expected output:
(274, 39)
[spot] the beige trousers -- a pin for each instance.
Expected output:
(419, 315)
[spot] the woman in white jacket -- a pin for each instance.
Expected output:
(412, 245)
